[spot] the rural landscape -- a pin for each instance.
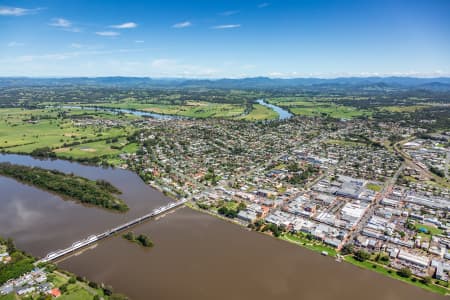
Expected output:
(175, 180)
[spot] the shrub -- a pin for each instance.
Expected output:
(361, 255)
(405, 272)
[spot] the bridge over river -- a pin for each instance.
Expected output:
(94, 238)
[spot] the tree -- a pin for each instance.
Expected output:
(10, 245)
(410, 225)
(404, 272)
(242, 206)
(362, 255)
(258, 224)
(129, 236)
(63, 288)
(144, 240)
(231, 213)
(347, 249)
(222, 210)
(426, 280)
(384, 258)
(293, 167)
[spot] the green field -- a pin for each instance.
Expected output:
(259, 113)
(191, 109)
(385, 271)
(22, 131)
(332, 110)
(432, 230)
(318, 107)
(94, 149)
(314, 245)
(75, 291)
(8, 297)
(345, 143)
(200, 109)
(373, 187)
(410, 108)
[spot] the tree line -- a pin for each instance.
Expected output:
(99, 193)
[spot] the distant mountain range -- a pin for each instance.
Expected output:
(435, 84)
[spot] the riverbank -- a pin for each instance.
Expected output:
(236, 222)
(21, 278)
(392, 273)
(260, 110)
(319, 247)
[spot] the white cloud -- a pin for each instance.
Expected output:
(227, 26)
(264, 4)
(229, 13)
(16, 11)
(15, 44)
(182, 24)
(60, 22)
(63, 24)
(76, 45)
(53, 56)
(68, 55)
(107, 33)
(127, 25)
(86, 47)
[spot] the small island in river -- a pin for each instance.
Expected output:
(140, 239)
(100, 192)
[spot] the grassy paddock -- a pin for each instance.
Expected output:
(318, 106)
(260, 113)
(20, 135)
(309, 244)
(393, 274)
(192, 109)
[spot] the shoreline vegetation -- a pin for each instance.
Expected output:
(69, 285)
(76, 137)
(346, 254)
(19, 264)
(141, 239)
(99, 193)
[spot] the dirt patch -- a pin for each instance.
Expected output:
(88, 149)
(61, 150)
(67, 134)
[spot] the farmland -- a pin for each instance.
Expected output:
(191, 109)
(260, 112)
(22, 131)
(318, 107)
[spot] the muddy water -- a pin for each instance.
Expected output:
(41, 222)
(196, 256)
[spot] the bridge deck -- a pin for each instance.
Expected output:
(94, 238)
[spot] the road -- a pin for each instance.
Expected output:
(95, 238)
(447, 164)
(412, 164)
(387, 188)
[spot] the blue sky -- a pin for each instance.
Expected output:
(214, 39)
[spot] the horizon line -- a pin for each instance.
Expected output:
(435, 76)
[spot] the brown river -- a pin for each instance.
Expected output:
(196, 256)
